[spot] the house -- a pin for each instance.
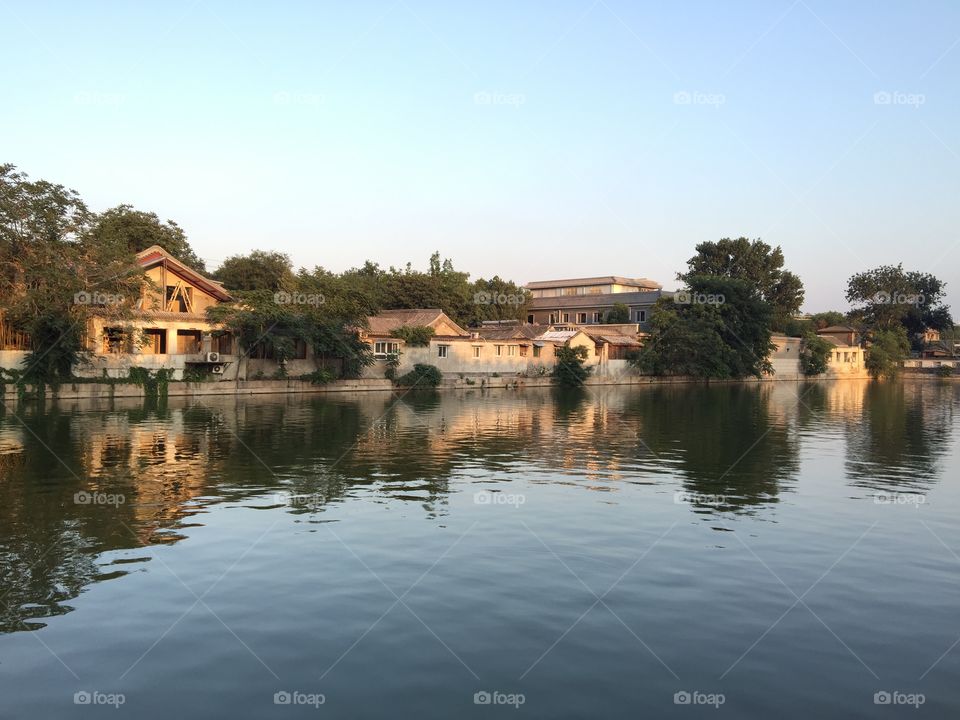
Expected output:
(841, 335)
(380, 328)
(847, 356)
(169, 327)
(614, 342)
(586, 301)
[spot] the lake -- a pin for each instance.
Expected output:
(759, 550)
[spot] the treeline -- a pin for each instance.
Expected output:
(54, 250)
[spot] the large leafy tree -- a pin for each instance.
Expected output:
(888, 349)
(259, 270)
(889, 297)
(753, 262)
(55, 275)
(137, 230)
(724, 333)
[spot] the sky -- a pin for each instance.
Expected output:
(534, 139)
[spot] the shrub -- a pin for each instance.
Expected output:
(196, 373)
(414, 335)
(422, 375)
(570, 369)
(944, 371)
(393, 362)
(320, 376)
(814, 355)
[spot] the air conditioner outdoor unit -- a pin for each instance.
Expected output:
(213, 357)
(217, 369)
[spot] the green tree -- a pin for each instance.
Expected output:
(55, 277)
(888, 297)
(137, 230)
(570, 369)
(260, 270)
(756, 263)
(887, 351)
(414, 335)
(723, 332)
(619, 314)
(815, 354)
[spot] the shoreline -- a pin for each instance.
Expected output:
(109, 391)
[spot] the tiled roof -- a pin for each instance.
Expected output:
(513, 332)
(389, 320)
(155, 254)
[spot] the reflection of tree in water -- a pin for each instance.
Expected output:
(733, 444)
(899, 439)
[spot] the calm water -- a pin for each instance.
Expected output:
(787, 550)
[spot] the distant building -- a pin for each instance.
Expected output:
(843, 335)
(586, 301)
(380, 328)
(847, 356)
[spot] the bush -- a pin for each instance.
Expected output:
(814, 355)
(196, 373)
(422, 375)
(944, 371)
(393, 362)
(320, 376)
(414, 335)
(569, 369)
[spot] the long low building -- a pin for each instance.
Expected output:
(588, 301)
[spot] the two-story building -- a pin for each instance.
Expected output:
(169, 327)
(588, 301)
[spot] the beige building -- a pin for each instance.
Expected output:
(169, 328)
(587, 301)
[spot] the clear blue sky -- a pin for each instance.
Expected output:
(526, 139)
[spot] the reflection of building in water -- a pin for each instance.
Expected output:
(157, 465)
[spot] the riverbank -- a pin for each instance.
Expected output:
(111, 390)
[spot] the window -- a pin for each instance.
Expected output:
(383, 348)
(523, 351)
(476, 351)
(553, 318)
(570, 291)
(511, 350)
(179, 298)
(188, 342)
(536, 351)
(530, 319)
(582, 318)
(442, 350)
(499, 349)
(299, 350)
(596, 317)
(154, 341)
(566, 317)
(641, 315)
(846, 357)
(114, 340)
